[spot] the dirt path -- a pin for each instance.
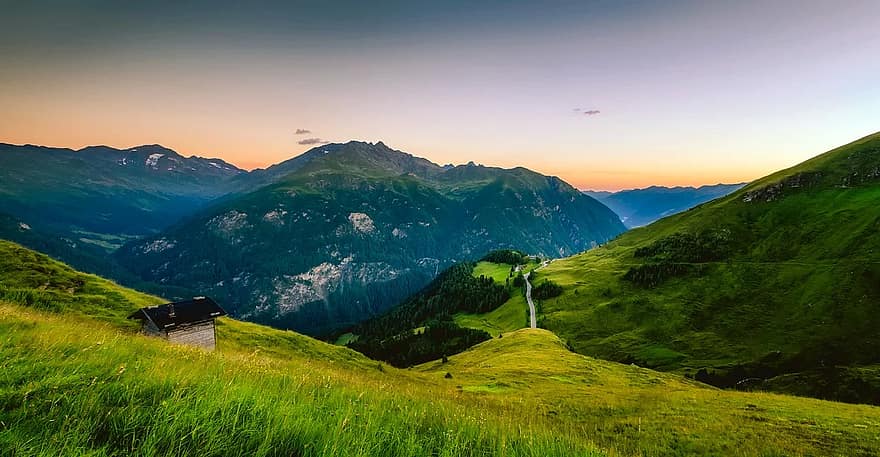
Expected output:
(533, 320)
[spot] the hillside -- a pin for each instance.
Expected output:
(77, 380)
(106, 196)
(466, 304)
(640, 207)
(358, 227)
(775, 286)
(68, 352)
(84, 255)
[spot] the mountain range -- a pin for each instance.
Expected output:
(322, 240)
(103, 195)
(773, 287)
(639, 207)
(352, 229)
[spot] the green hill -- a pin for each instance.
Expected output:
(78, 380)
(636, 411)
(775, 286)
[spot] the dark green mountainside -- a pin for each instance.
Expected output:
(105, 196)
(776, 286)
(356, 228)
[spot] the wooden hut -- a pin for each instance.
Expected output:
(188, 322)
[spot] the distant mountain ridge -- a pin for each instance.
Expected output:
(353, 228)
(638, 207)
(99, 191)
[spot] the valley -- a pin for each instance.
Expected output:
(511, 354)
(70, 356)
(640, 207)
(315, 243)
(440, 229)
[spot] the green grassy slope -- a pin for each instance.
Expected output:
(76, 379)
(643, 412)
(780, 277)
(511, 315)
(499, 272)
(33, 280)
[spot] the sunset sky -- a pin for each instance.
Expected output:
(605, 94)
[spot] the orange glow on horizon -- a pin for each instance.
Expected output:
(581, 176)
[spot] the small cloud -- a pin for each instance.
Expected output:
(576, 110)
(311, 141)
(591, 112)
(302, 132)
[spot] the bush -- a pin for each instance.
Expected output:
(654, 274)
(508, 256)
(547, 289)
(519, 280)
(707, 246)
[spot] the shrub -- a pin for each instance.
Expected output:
(547, 289)
(508, 256)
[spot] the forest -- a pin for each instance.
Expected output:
(421, 328)
(678, 255)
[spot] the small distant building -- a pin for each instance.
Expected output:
(188, 322)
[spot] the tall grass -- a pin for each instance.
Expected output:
(73, 389)
(76, 379)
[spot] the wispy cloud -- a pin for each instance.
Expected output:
(311, 141)
(302, 132)
(586, 112)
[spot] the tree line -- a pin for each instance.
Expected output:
(678, 255)
(421, 328)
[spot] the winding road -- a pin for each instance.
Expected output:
(533, 318)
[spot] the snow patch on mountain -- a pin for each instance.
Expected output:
(229, 224)
(153, 160)
(275, 216)
(362, 222)
(162, 244)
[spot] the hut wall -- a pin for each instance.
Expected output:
(201, 334)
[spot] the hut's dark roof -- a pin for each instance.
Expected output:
(199, 309)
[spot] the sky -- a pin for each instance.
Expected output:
(605, 94)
